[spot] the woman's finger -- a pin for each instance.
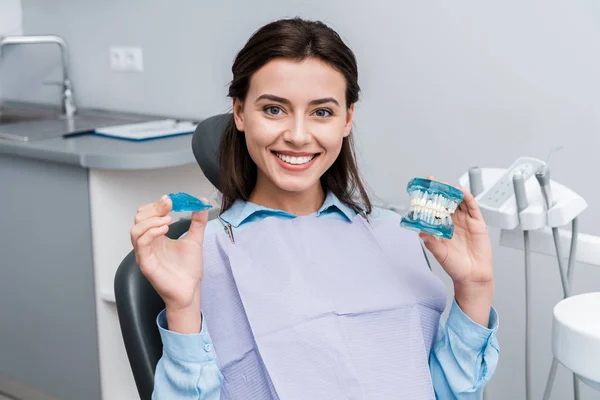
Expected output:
(140, 229)
(144, 243)
(148, 237)
(143, 212)
(444, 182)
(144, 207)
(159, 208)
(439, 248)
(198, 225)
(470, 205)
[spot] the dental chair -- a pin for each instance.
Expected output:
(138, 304)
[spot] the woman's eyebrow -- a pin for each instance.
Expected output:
(323, 101)
(272, 97)
(287, 102)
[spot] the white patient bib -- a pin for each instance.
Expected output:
(314, 308)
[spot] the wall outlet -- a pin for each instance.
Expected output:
(126, 59)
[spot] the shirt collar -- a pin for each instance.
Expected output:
(333, 204)
(241, 210)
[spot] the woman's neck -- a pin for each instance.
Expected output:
(269, 195)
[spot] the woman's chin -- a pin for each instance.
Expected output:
(296, 183)
(296, 188)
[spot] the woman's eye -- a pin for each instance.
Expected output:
(322, 113)
(273, 110)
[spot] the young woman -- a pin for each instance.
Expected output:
(309, 292)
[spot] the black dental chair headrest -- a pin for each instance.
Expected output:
(205, 145)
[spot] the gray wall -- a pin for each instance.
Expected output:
(11, 22)
(446, 85)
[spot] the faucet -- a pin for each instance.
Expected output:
(67, 101)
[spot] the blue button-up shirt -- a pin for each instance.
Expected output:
(462, 360)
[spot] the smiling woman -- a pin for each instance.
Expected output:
(294, 128)
(309, 292)
(291, 100)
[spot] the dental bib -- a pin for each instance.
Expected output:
(316, 308)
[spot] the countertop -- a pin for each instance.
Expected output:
(92, 151)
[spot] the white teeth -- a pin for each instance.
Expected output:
(295, 160)
(452, 207)
(432, 209)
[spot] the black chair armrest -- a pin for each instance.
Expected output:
(138, 305)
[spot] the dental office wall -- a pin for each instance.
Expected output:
(446, 85)
(11, 23)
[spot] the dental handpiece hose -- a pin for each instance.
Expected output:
(476, 187)
(543, 178)
(522, 204)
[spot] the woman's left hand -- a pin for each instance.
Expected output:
(467, 257)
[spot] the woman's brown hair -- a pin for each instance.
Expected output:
(294, 39)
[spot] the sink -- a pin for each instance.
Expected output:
(27, 123)
(15, 115)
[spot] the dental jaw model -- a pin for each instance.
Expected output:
(432, 204)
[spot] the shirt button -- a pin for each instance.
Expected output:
(207, 347)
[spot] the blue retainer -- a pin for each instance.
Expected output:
(431, 206)
(186, 202)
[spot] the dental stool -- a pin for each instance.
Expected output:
(576, 336)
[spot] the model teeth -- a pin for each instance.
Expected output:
(295, 160)
(433, 209)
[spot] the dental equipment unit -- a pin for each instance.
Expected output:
(529, 208)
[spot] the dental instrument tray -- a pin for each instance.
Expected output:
(148, 130)
(432, 204)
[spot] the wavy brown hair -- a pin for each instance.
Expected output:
(294, 39)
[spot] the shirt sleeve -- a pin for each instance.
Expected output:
(188, 367)
(464, 356)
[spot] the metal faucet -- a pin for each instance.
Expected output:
(68, 104)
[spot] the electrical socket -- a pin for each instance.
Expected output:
(126, 59)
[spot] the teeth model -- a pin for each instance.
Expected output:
(432, 204)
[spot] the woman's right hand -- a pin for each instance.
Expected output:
(173, 267)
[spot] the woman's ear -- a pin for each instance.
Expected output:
(238, 116)
(349, 116)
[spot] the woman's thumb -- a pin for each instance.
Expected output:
(196, 231)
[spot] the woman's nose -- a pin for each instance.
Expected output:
(298, 133)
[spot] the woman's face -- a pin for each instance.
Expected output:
(294, 119)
